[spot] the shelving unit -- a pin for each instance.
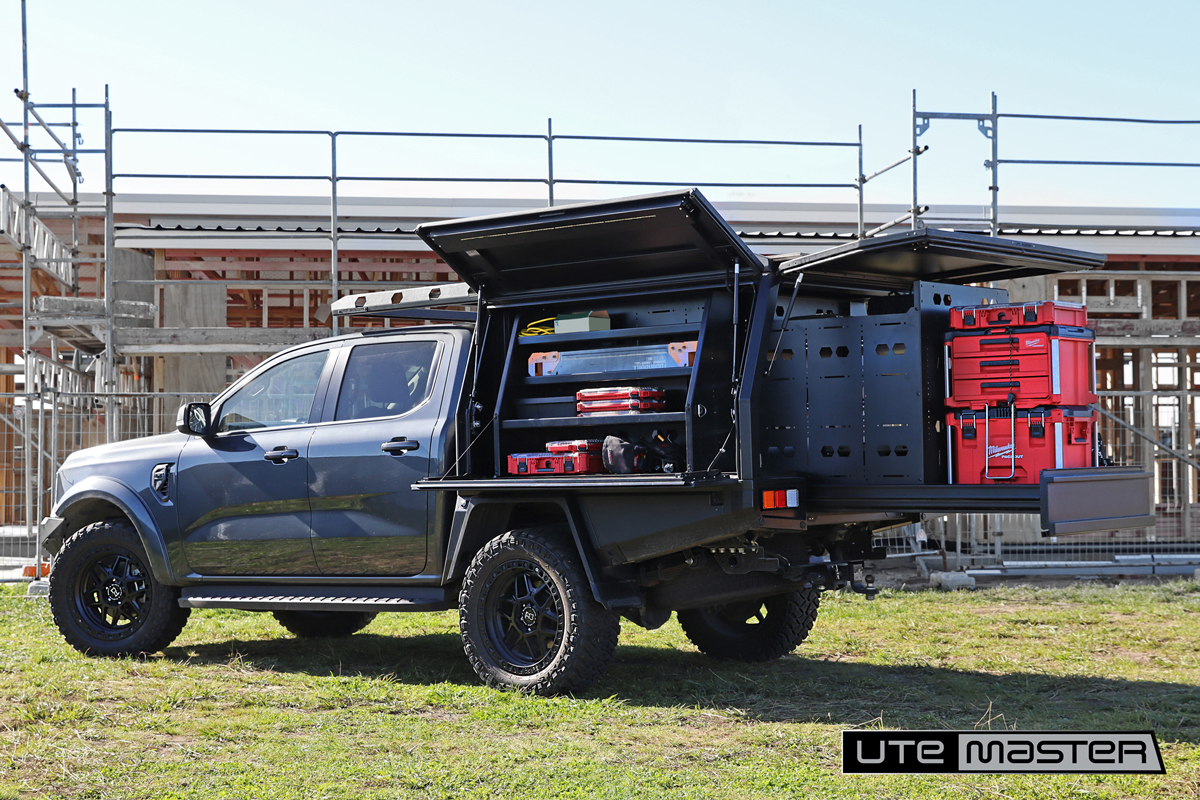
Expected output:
(534, 409)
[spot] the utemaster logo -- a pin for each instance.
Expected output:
(1028, 752)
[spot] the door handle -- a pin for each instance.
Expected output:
(399, 446)
(281, 454)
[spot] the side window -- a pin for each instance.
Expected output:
(386, 379)
(283, 395)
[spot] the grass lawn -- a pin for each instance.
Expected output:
(239, 709)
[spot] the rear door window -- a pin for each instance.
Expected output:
(386, 379)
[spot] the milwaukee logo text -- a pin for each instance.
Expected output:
(883, 752)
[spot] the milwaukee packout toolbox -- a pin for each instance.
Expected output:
(576, 446)
(577, 463)
(620, 393)
(589, 408)
(1029, 367)
(1007, 445)
(1049, 312)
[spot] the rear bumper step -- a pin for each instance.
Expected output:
(316, 598)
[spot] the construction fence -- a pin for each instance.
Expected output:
(1152, 430)
(39, 430)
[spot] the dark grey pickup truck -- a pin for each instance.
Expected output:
(797, 408)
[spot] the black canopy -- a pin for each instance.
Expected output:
(669, 240)
(893, 262)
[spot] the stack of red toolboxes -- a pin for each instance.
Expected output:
(576, 457)
(619, 400)
(1021, 377)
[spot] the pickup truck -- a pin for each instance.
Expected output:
(800, 412)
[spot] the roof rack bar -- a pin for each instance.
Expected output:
(409, 300)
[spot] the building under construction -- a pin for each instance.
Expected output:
(117, 307)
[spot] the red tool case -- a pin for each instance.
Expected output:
(576, 446)
(1046, 365)
(1007, 445)
(1048, 312)
(630, 406)
(621, 393)
(555, 464)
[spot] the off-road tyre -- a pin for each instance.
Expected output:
(324, 624)
(104, 598)
(753, 630)
(528, 618)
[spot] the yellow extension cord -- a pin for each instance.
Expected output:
(536, 328)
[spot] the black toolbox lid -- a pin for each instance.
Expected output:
(893, 262)
(669, 240)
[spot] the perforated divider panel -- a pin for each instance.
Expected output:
(835, 399)
(784, 405)
(894, 431)
(860, 399)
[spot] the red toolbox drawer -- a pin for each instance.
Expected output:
(1050, 365)
(1008, 445)
(1048, 312)
(555, 464)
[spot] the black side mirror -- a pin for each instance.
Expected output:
(194, 419)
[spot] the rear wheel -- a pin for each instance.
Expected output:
(323, 624)
(527, 616)
(105, 600)
(753, 630)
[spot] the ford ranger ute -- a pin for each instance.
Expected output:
(621, 413)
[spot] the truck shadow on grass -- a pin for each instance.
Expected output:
(797, 688)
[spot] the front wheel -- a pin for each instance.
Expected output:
(527, 616)
(753, 630)
(105, 600)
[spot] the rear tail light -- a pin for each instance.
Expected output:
(781, 498)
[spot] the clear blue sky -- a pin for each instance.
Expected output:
(770, 70)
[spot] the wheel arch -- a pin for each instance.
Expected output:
(478, 520)
(96, 499)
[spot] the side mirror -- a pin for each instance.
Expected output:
(194, 419)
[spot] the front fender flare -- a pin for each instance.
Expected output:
(79, 507)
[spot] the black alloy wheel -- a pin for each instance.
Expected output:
(528, 618)
(104, 597)
(112, 594)
(524, 617)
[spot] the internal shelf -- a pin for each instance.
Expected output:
(606, 336)
(606, 420)
(609, 377)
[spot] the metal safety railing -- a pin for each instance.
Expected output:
(988, 124)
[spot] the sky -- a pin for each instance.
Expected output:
(753, 69)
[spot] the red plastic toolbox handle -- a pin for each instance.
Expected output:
(1000, 384)
(1005, 340)
(1003, 362)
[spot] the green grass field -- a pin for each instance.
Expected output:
(239, 709)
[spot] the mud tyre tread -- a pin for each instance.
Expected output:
(162, 621)
(719, 634)
(589, 632)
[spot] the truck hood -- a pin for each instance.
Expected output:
(124, 460)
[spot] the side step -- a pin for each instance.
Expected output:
(278, 597)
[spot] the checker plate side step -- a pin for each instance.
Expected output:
(276, 597)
